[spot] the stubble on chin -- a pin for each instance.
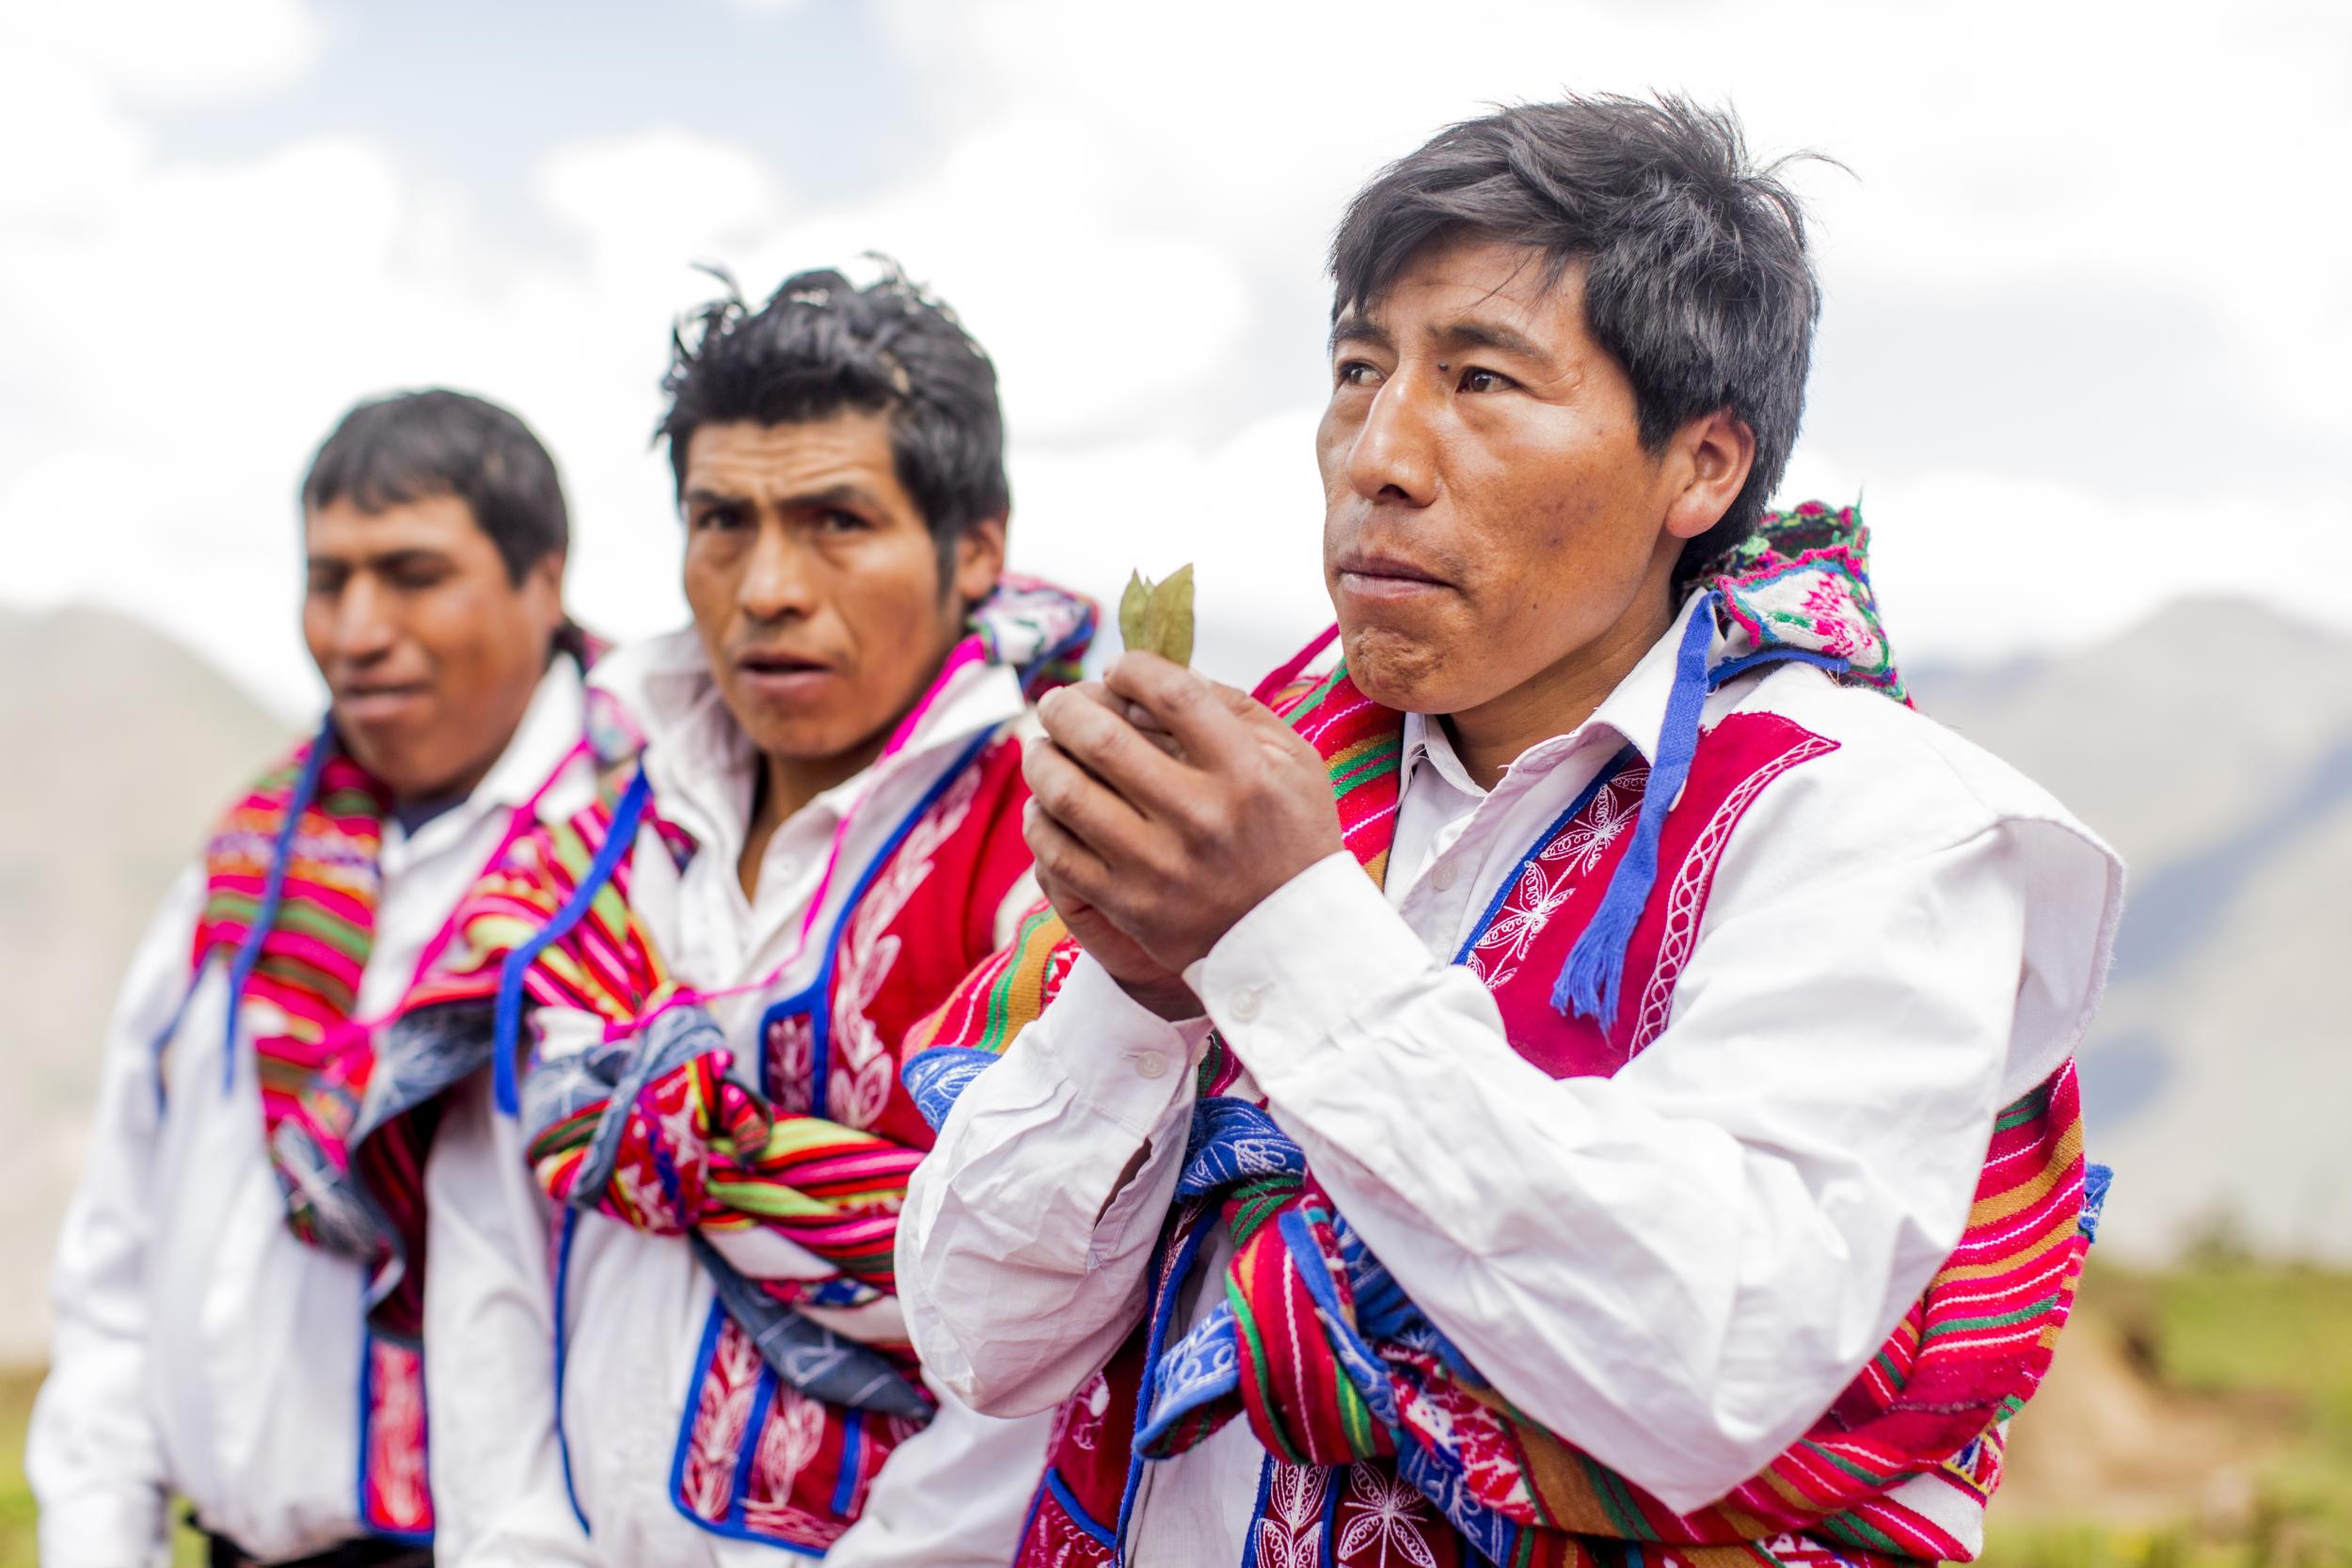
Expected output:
(1394, 667)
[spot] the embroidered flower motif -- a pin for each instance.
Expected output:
(1385, 1514)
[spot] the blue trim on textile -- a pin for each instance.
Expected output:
(763, 1401)
(845, 1485)
(360, 1477)
(272, 894)
(730, 1529)
(1256, 1513)
(1080, 1516)
(562, 1353)
(508, 1028)
(1600, 781)
(1155, 1341)
(814, 998)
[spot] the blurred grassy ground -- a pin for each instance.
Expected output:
(2199, 1419)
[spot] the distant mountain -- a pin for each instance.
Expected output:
(127, 745)
(2212, 746)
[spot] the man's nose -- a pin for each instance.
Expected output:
(1394, 454)
(779, 579)
(365, 626)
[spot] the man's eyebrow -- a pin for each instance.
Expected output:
(1493, 335)
(835, 495)
(844, 494)
(1353, 328)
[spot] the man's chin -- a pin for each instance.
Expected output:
(1399, 671)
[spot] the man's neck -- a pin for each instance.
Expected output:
(1491, 736)
(786, 784)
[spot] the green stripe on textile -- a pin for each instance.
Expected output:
(1609, 1488)
(1853, 1532)
(297, 914)
(1247, 1327)
(1996, 1319)
(1842, 1463)
(1378, 761)
(1355, 1418)
(2035, 1102)
(1000, 994)
(1306, 705)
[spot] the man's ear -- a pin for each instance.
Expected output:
(1708, 462)
(979, 560)
(542, 589)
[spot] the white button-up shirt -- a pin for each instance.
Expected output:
(1677, 1268)
(199, 1348)
(634, 1304)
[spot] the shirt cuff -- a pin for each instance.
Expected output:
(1118, 1057)
(1316, 952)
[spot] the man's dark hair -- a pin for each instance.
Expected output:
(1696, 277)
(823, 347)
(392, 450)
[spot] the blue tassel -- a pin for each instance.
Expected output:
(1590, 979)
(508, 1029)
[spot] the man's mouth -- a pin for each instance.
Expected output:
(1379, 574)
(783, 674)
(381, 702)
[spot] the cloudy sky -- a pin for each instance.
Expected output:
(2087, 270)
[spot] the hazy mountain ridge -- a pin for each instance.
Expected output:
(2212, 745)
(130, 745)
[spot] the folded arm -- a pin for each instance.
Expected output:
(1679, 1267)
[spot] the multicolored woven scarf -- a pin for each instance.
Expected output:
(1317, 1347)
(290, 893)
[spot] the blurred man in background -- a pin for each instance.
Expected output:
(213, 1281)
(820, 837)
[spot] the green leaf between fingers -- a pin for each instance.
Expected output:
(1157, 617)
(1132, 605)
(1168, 621)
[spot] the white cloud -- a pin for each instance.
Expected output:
(1129, 208)
(169, 51)
(644, 201)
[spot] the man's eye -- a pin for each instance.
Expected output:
(1358, 373)
(715, 518)
(415, 579)
(1476, 380)
(837, 521)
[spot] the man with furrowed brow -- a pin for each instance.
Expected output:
(692, 992)
(1588, 1077)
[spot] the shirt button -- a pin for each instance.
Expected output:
(1247, 1002)
(1443, 875)
(1150, 1064)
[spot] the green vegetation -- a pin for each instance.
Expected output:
(2235, 1361)
(2242, 1360)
